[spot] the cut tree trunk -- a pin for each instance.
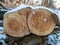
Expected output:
(40, 22)
(15, 23)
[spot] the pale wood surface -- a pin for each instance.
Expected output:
(41, 22)
(15, 23)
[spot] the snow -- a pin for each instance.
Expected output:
(0, 21)
(16, 9)
(1, 28)
(57, 12)
(54, 38)
(2, 37)
(24, 6)
(3, 43)
(33, 7)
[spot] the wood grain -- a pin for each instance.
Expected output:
(41, 22)
(15, 23)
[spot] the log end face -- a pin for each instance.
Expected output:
(13, 25)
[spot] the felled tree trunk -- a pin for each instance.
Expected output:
(15, 23)
(41, 22)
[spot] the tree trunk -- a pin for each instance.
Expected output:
(15, 23)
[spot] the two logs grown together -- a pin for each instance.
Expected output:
(25, 21)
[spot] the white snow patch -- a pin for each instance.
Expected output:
(54, 38)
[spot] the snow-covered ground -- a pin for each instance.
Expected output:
(54, 39)
(2, 36)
